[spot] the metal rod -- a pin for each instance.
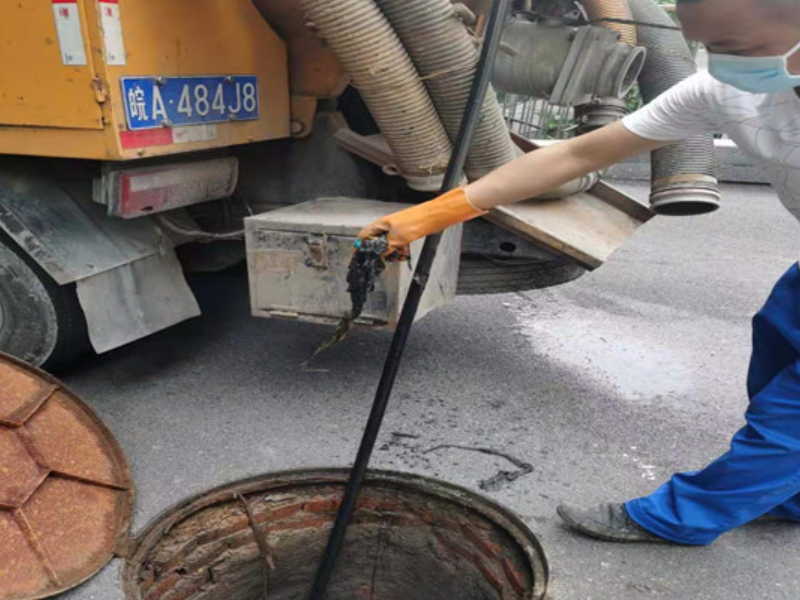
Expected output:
(452, 178)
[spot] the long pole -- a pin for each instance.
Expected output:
(452, 178)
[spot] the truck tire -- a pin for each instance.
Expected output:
(41, 322)
(480, 275)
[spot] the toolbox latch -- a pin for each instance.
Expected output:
(317, 255)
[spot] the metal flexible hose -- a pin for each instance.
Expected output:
(683, 176)
(381, 69)
(446, 56)
(613, 9)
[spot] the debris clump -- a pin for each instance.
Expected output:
(365, 267)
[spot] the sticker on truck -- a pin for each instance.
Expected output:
(70, 36)
(111, 25)
(166, 136)
(152, 102)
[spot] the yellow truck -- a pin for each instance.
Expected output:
(136, 135)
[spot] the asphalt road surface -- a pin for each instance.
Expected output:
(606, 385)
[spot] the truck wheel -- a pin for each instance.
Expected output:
(41, 322)
(479, 275)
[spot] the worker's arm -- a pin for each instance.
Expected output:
(526, 177)
(548, 168)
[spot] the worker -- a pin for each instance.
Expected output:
(751, 92)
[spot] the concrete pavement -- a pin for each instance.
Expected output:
(606, 385)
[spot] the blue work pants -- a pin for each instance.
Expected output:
(760, 473)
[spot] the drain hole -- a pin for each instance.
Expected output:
(406, 543)
(508, 247)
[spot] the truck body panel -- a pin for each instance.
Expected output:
(77, 110)
(38, 89)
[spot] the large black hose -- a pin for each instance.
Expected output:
(446, 57)
(683, 178)
(464, 141)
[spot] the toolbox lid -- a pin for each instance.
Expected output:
(335, 216)
(66, 495)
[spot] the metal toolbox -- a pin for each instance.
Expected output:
(298, 256)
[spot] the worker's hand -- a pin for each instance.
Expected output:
(403, 227)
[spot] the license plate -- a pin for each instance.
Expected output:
(152, 102)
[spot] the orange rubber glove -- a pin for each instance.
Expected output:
(403, 227)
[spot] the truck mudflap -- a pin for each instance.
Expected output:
(128, 278)
(132, 301)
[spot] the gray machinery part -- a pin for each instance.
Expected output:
(566, 65)
(372, 54)
(683, 175)
(125, 273)
(599, 113)
(446, 56)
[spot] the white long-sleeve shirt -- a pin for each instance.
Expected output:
(765, 126)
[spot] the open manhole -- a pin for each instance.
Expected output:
(66, 500)
(412, 538)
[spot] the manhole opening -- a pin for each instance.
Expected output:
(412, 538)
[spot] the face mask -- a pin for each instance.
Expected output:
(757, 74)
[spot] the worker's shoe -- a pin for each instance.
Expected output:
(607, 522)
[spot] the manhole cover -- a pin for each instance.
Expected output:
(412, 538)
(65, 490)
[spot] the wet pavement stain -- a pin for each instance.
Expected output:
(500, 480)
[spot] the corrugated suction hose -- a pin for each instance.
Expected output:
(381, 69)
(613, 9)
(446, 56)
(684, 181)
